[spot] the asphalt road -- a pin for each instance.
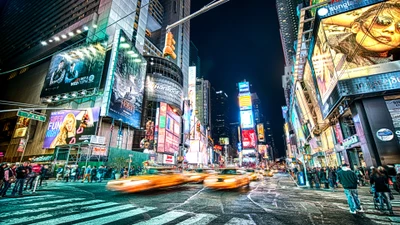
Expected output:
(275, 200)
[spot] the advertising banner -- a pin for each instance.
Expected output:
(249, 138)
(168, 159)
(260, 132)
(99, 151)
(128, 84)
(224, 141)
(345, 50)
(71, 126)
(21, 127)
(394, 110)
(244, 87)
(161, 128)
(75, 70)
(163, 89)
(245, 102)
(246, 119)
(21, 145)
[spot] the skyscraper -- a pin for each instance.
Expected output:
(219, 112)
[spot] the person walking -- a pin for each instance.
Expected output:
(67, 174)
(9, 178)
(88, 171)
(2, 169)
(310, 177)
(60, 171)
(94, 174)
(349, 181)
(43, 172)
(380, 182)
(21, 172)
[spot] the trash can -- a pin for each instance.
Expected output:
(300, 178)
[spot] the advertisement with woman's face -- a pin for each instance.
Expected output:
(361, 42)
(71, 127)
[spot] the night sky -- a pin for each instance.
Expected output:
(240, 40)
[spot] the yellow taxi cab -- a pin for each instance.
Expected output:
(197, 175)
(253, 175)
(154, 178)
(267, 173)
(228, 178)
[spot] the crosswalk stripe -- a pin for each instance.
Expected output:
(52, 202)
(118, 216)
(23, 219)
(162, 219)
(30, 200)
(23, 198)
(239, 221)
(71, 218)
(26, 211)
(198, 219)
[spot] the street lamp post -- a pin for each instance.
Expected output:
(130, 161)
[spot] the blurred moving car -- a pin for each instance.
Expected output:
(253, 175)
(267, 173)
(154, 178)
(197, 175)
(228, 178)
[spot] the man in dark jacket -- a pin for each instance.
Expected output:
(2, 166)
(22, 171)
(349, 181)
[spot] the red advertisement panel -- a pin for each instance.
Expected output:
(249, 138)
(161, 127)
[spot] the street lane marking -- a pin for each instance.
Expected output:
(187, 200)
(118, 216)
(23, 198)
(238, 221)
(71, 218)
(55, 201)
(199, 219)
(20, 212)
(163, 219)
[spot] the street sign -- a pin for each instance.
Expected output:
(31, 115)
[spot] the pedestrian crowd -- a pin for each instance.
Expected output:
(379, 179)
(21, 176)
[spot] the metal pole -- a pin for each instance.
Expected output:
(201, 11)
(36, 183)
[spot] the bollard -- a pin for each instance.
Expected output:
(36, 183)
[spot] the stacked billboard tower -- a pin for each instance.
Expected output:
(248, 143)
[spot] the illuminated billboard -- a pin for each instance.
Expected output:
(245, 102)
(244, 87)
(246, 119)
(357, 43)
(260, 132)
(71, 126)
(249, 138)
(75, 70)
(128, 84)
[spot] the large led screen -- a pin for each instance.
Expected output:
(249, 138)
(244, 87)
(246, 119)
(128, 84)
(71, 126)
(74, 70)
(358, 43)
(245, 102)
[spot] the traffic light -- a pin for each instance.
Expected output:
(198, 127)
(169, 49)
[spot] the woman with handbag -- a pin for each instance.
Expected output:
(9, 178)
(380, 181)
